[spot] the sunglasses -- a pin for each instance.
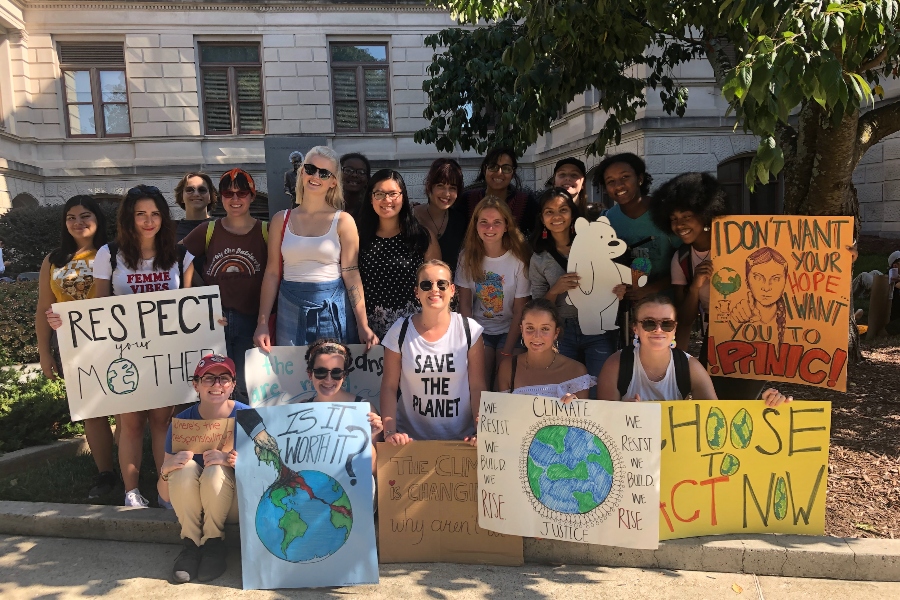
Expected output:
(426, 285)
(651, 324)
(224, 379)
(349, 171)
(336, 374)
(200, 190)
(242, 194)
(507, 169)
(311, 170)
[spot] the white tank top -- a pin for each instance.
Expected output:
(312, 259)
(665, 389)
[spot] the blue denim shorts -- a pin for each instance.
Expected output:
(494, 340)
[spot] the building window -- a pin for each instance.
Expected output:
(231, 75)
(765, 199)
(359, 79)
(96, 90)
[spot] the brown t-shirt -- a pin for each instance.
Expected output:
(236, 263)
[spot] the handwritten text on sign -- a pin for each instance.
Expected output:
(732, 466)
(582, 472)
(780, 297)
(136, 352)
(200, 435)
(428, 507)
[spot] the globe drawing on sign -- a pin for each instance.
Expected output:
(303, 516)
(571, 473)
(122, 376)
(727, 281)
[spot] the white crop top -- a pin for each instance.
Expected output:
(312, 259)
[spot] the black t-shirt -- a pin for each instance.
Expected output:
(185, 226)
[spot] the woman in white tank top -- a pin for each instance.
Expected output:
(316, 282)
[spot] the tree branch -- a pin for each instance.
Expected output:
(875, 125)
(879, 58)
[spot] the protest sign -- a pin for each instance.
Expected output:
(733, 466)
(779, 299)
(581, 472)
(136, 352)
(279, 377)
(200, 435)
(305, 490)
(428, 507)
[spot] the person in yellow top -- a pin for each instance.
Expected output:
(66, 275)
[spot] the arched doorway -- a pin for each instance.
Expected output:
(25, 200)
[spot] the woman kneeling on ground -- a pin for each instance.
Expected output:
(201, 486)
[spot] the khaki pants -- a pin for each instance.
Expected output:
(204, 500)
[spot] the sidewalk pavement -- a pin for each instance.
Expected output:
(63, 569)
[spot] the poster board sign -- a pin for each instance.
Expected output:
(780, 299)
(428, 507)
(305, 489)
(737, 466)
(582, 472)
(200, 435)
(279, 377)
(129, 353)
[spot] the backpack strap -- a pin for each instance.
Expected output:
(209, 231)
(626, 370)
(512, 377)
(468, 331)
(682, 373)
(113, 257)
(265, 231)
(402, 337)
(685, 261)
(182, 252)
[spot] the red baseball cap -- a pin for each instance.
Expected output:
(211, 361)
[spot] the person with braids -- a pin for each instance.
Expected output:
(498, 178)
(766, 271)
(392, 245)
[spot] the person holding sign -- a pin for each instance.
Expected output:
(202, 485)
(67, 274)
(434, 359)
(316, 282)
(542, 371)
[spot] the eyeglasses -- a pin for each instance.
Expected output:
(224, 379)
(242, 194)
(507, 169)
(321, 373)
(426, 285)
(389, 195)
(350, 171)
(311, 170)
(200, 190)
(651, 324)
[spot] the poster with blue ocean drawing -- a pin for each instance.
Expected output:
(582, 472)
(304, 484)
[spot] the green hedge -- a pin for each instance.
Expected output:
(33, 412)
(18, 341)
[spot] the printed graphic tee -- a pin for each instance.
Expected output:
(505, 280)
(434, 381)
(75, 279)
(144, 279)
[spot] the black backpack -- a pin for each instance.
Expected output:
(682, 372)
(113, 261)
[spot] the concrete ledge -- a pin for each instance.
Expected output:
(774, 554)
(18, 461)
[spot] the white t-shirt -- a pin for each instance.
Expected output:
(664, 389)
(145, 279)
(434, 381)
(505, 279)
(678, 278)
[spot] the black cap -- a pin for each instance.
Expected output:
(570, 161)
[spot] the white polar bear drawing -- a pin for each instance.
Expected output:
(592, 254)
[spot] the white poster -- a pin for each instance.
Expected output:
(279, 377)
(584, 472)
(137, 352)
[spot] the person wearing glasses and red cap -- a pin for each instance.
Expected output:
(202, 485)
(232, 253)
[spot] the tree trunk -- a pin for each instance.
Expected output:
(832, 171)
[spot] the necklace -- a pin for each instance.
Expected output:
(433, 222)
(527, 366)
(702, 257)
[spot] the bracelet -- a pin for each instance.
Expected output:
(164, 476)
(389, 433)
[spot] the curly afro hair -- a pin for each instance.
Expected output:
(699, 193)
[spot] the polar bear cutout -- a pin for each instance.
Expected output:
(591, 256)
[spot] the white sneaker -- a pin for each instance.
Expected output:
(135, 500)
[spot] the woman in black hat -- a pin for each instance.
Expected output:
(569, 174)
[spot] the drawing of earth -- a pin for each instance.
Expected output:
(304, 516)
(569, 469)
(122, 376)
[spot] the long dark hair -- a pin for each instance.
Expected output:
(415, 237)
(127, 236)
(67, 246)
(540, 243)
(491, 158)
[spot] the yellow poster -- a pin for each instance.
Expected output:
(737, 466)
(779, 299)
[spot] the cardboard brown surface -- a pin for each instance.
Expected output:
(197, 436)
(428, 507)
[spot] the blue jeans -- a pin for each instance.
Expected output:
(239, 339)
(309, 311)
(592, 350)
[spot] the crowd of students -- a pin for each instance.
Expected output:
(466, 291)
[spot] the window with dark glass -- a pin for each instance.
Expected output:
(765, 199)
(95, 89)
(231, 83)
(359, 80)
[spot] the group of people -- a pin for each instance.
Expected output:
(466, 291)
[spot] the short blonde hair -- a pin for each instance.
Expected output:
(335, 196)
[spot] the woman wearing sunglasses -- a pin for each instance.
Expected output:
(316, 280)
(435, 360)
(234, 257)
(498, 178)
(196, 195)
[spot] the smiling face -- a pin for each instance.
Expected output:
(539, 330)
(767, 282)
(491, 226)
(314, 185)
(658, 338)
(390, 206)
(622, 183)
(498, 181)
(216, 393)
(442, 195)
(354, 178)
(147, 218)
(570, 178)
(435, 299)
(557, 215)
(81, 224)
(687, 226)
(328, 386)
(238, 204)
(196, 194)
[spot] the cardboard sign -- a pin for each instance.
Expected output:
(137, 352)
(200, 435)
(305, 489)
(779, 299)
(279, 377)
(581, 472)
(734, 466)
(428, 507)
